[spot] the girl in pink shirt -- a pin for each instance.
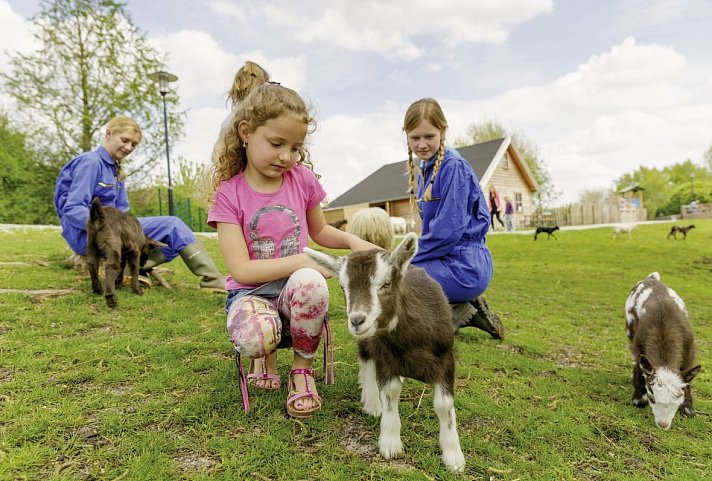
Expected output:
(265, 204)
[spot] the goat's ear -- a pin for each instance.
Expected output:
(690, 374)
(154, 243)
(645, 365)
(330, 262)
(405, 251)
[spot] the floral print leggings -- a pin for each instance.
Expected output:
(256, 324)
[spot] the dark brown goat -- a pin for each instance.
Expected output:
(680, 229)
(546, 230)
(402, 331)
(119, 237)
(662, 344)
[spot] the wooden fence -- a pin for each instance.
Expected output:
(587, 214)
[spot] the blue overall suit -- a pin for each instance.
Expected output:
(93, 174)
(452, 246)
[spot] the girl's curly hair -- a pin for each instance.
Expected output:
(266, 102)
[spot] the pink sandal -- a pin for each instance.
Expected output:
(295, 395)
(264, 376)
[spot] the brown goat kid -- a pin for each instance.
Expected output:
(663, 348)
(401, 319)
(120, 238)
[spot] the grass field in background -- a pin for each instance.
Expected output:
(148, 391)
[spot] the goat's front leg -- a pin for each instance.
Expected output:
(133, 262)
(389, 441)
(444, 406)
(686, 408)
(93, 260)
(113, 270)
(640, 395)
(369, 388)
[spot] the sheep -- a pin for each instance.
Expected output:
(399, 224)
(661, 342)
(373, 225)
(619, 229)
(401, 319)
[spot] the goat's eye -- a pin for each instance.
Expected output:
(386, 285)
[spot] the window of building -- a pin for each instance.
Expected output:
(505, 161)
(518, 205)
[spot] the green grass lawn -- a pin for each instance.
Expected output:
(148, 391)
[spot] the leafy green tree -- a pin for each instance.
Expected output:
(92, 64)
(23, 180)
(491, 130)
(669, 188)
(594, 196)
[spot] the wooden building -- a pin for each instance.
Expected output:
(496, 162)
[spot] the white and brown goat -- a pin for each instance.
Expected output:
(662, 344)
(401, 319)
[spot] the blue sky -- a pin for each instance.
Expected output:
(601, 87)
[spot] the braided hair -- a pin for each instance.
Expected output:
(424, 109)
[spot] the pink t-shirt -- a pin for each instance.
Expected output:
(274, 224)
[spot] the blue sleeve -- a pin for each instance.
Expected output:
(79, 196)
(451, 217)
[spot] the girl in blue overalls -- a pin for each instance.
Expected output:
(454, 215)
(99, 174)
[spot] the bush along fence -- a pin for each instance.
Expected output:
(194, 216)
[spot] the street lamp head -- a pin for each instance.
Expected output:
(692, 175)
(163, 78)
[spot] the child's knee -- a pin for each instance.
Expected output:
(309, 285)
(254, 326)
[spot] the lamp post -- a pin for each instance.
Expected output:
(163, 78)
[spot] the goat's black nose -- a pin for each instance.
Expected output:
(357, 319)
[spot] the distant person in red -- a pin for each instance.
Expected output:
(494, 204)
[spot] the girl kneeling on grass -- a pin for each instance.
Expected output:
(265, 204)
(455, 218)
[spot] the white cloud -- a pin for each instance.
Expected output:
(392, 29)
(630, 106)
(15, 37)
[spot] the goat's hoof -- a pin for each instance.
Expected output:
(455, 461)
(110, 301)
(98, 291)
(390, 448)
(372, 410)
(138, 291)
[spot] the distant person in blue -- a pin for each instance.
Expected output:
(99, 174)
(455, 218)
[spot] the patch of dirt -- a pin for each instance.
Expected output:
(196, 462)
(569, 357)
(356, 438)
(6, 375)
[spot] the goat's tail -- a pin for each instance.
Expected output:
(96, 214)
